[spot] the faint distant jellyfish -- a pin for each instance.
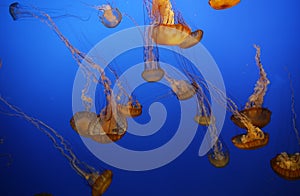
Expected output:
(109, 16)
(287, 165)
(254, 111)
(99, 181)
(182, 88)
(169, 28)
(223, 4)
(203, 116)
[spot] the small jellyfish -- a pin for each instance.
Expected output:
(223, 4)
(152, 70)
(218, 156)
(203, 116)
(131, 109)
(99, 182)
(109, 16)
(182, 88)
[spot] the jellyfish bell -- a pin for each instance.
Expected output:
(286, 165)
(152, 72)
(252, 143)
(88, 124)
(259, 117)
(131, 109)
(80, 122)
(99, 182)
(183, 89)
(223, 4)
(191, 40)
(170, 34)
(109, 16)
(204, 120)
(218, 160)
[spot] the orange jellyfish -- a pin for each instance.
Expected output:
(254, 116)
(287, 165)
(98, 180)
(223, 4)
(169, 28)
(218, 156)
(152, 70)
(109, 16)
(254, 111)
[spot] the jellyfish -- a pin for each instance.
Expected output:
(254, 116)
(109, 16)
(169, 27)
(99, 180)
(222, 4)
(203, 116)
(218, 156)
(287, 165)
(152, 71)
(182, 88)
(254, 111)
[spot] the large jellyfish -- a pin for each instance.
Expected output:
(223, 4)
(254, 111)
(169, 27)
(98, 180)
(287, 165)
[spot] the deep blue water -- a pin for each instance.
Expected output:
(38, 72)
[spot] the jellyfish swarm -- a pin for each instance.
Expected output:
(109, 16)
(169, 27)
(254, 116)
(287, 165)
(223, 4)
(99, 181)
